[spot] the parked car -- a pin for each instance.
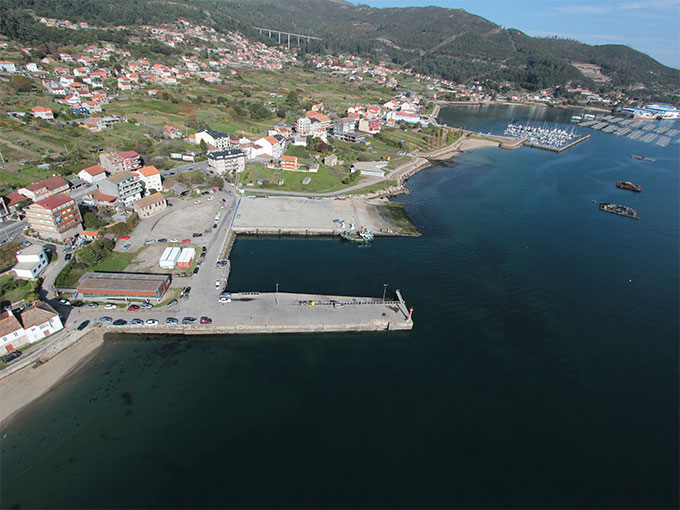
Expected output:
(150, 241)
(133, 308)
(173, 302)
(146, 306)
(119, 322)
(207, 231)
(111, 306)
(196, 234)
(196, 269)
(171, 320)
(136, 322)
(126, 246)
(186, 291)
(174, 240)
(214, 225)
(83, 325)
(189, 320)
(151, 322)
(105, 320)
(225, 300)
(65, 302)
(186, 240)
(206, 320)
(125, 237)
(217, 284)
(210, 198)
(91, 305)
(162, 240)
(67, 256)
(11, 356)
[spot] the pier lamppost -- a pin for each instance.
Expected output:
(276, 296)
(384, 291)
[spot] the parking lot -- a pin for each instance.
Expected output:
(193, 217)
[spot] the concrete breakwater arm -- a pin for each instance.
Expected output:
(278, 312)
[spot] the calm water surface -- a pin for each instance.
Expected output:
(542, 370)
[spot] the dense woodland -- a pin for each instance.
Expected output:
(450, 43)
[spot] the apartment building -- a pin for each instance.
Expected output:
(125, 186)
(56, 217)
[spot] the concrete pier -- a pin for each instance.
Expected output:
(277, 312)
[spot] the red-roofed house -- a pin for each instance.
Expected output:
(92, 174)
(151, 178)
(289, 163)
(40, 320)
(45, 188)
(131, 161)
(55, 217)
(12, 334)
(40, 112)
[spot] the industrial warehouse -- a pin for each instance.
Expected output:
(122, 286)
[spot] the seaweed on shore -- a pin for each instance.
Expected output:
(398, 218)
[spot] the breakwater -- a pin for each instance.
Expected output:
(279, 312)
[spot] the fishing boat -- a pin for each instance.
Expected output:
(362, 235)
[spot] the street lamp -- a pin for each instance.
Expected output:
(276, 296)
(384, 291)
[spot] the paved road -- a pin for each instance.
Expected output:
(189, 167)
(12, 230)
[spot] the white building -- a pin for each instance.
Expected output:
(220, 141)
(151, 178)
(92, 174)
(303, 126)
(169, 258)
(12, 334)
(40, 320)
(31, 262)
(225, 162)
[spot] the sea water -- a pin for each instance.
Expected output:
(542, 370)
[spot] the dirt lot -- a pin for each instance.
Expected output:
(181, 223)
(305, 213)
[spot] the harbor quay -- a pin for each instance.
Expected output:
(275, 312)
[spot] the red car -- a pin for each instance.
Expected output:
(133, 308)
(186, 240)
(125, 237)
(206, 320)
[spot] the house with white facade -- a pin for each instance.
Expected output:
(12, 335)
(40, 320)
(31, 261)
(220, 141)
(150, 177)
(92, 174)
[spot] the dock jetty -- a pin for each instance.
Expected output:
(279, 312)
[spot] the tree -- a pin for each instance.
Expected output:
(91, 221)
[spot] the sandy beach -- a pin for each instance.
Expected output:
(22, 387)
(476, 143)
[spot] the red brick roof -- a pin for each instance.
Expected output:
(14, 198)
(128, 154)
(54, 201)
(50, 183)
(36, 314)
(94, 170)
(148, 171)
(8, 323)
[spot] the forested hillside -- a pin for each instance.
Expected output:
(447, 42)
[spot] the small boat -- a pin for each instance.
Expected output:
(576, 118)
(642, 158)
(620, 210)
(357, 236)
(629, 186)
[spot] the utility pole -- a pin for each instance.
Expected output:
(276, 295)
(384, 291)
